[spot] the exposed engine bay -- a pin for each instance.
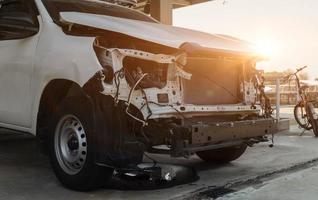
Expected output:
(187, 102)
(190, 84)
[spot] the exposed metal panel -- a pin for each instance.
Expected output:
(227, 131)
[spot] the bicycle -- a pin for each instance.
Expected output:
(304, 111)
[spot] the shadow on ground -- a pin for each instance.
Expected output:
(21, 157)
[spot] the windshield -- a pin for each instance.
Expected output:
(54, 7)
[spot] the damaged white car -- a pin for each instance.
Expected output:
(100, 84)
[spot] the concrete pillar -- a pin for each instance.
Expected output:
(278, 99)
(162, 10)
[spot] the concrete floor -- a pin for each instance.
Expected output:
(26, 174)
(299, 185)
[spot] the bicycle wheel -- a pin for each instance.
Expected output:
(301, 116)
(313, 117)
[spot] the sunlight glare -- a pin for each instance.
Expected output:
(268, 48)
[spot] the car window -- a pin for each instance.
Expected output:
(18, 19)
(54, 7)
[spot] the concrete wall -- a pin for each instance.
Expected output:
(162, 10)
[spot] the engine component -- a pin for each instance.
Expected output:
(136, 68)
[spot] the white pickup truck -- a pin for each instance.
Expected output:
(101, 84)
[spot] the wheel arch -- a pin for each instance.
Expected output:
(103, 109)
(53, 93)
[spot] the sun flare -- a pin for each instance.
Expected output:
(268, 48)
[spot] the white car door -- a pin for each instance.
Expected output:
(19, 29)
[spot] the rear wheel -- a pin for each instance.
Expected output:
(223, 155)
(71, 148)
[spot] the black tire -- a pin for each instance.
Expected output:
(301, 116)
(89, 176)
(223, 155)
(312, 117)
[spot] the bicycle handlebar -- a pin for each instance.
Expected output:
(301, 69)
(295, 74)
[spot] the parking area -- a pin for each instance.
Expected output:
(26, 174)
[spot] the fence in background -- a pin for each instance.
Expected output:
(288, 94)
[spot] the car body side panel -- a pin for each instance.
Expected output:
(16, 72)
(60, 56)
(17, 66)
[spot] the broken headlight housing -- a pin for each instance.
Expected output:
(156, 73)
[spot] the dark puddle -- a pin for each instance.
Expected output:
(161, 176)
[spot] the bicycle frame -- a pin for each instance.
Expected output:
(309, 114)
(301, 92)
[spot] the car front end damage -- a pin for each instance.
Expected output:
(181, 103)
(112, 83)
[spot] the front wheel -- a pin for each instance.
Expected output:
(71, 148)
(222, 155)
(313, 117)
(301, 116)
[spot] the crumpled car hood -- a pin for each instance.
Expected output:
(159, 33)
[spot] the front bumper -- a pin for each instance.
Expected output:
(223, 134)
(225, 131)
